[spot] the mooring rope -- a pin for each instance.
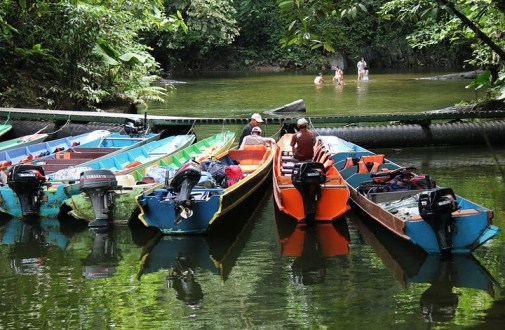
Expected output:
(8, 118)
(61, 128)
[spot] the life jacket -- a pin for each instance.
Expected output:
(370, 163)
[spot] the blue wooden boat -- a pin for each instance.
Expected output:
(189, 205)
(42, 194)
(410, 205)
(19, 155)
(136, 134)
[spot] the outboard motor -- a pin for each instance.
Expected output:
(435, 207)
(134, 127)
(307, 178)
(182, 183)
(28, 182)
(99, 186)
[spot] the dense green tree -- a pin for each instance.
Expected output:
(75, 54)
(478, 22)
(455, 24)
(211, 26)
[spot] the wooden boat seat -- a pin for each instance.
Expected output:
(86, 154)
(459, 213)
(248, 168)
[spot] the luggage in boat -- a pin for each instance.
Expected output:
(217, 170)
(207, 181)
(233, 174)
(423, 182)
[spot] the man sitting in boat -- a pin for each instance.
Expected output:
(256, 139)
(303, 141)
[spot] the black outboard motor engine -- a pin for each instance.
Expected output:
(28, 182)
(134, 127)
(99, 186)
(307, 178)
(182, 183)
(435, 207)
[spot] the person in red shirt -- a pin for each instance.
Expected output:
(303, 141)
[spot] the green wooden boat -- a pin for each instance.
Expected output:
(22, 141)
(138, 181)
(4, 129)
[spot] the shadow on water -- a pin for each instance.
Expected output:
(311, 245)
(184, 255)
(411, 265)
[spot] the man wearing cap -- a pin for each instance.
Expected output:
(256, 139)
(303, 141)
(256, 120)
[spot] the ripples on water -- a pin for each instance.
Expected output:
(266, 275)
(222, 95)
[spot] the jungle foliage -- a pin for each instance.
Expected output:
(71, 54)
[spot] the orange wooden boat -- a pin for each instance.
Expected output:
(308, 190)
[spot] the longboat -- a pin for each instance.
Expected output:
(410, 205)
(192, 205)
(4, 129)
(118, 204)
(24, 154)
(31, 192)
(23, 141)
(309, 190)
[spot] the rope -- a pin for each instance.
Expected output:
(58, 130)
(313, 129)
(8, 118)
(191, 128)
(276, 133)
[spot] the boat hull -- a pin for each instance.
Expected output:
(332, 203)
(471, 224)
(156, 211)
(24, 141)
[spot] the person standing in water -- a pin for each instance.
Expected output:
(361, 68)
(339, 76)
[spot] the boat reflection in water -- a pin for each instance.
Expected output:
(410, 266)
(311, 245)
(30, 241)
(183, 257)
(104, 257)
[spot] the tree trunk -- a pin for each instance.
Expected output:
(475, 29)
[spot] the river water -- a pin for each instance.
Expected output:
(263, 272)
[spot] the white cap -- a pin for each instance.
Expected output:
(301, 122)
(256, 129)
(257, 117)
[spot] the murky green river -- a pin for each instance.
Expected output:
(267, 273)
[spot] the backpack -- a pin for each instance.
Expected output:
(217, 170)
